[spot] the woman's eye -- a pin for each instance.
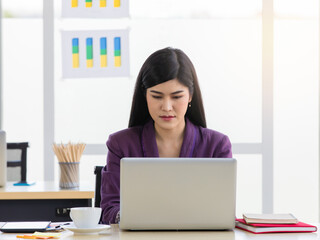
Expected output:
(177, 97)
(156, 97)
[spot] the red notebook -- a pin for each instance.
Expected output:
(274, 228)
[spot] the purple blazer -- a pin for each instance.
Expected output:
(140, 141)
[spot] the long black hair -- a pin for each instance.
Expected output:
(161, 66)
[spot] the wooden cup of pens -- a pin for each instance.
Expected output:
(69, 159)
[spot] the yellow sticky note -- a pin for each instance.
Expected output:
(103, 3)
(117, 61)
(116, 3)
(75, 60)
(103, 60)
(74, 3)
(89, 63)
(47, 234)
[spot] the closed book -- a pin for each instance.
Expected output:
(285, 218)
(274, 228)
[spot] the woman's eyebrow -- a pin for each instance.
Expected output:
(154, 91)
(177, 92)
(173, 93)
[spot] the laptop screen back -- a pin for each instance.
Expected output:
(177, 193)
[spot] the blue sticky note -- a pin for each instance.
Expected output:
(117, 43)
(89, 41)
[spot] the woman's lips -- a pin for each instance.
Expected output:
(167, 118)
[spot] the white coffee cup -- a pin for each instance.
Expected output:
(85, 217)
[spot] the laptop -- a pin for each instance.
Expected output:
(177, 193)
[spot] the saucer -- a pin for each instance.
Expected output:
(95, 230)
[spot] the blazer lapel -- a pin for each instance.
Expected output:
(148, 139)
(189, 140)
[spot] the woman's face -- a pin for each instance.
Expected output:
(168, 104)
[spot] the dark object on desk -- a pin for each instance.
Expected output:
(55, 210)
(21, 161)
(25, 227)
(97, 195)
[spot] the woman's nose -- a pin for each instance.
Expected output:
(167, 105)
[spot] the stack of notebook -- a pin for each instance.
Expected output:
(272, 223)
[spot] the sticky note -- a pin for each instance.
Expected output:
(116, 3)
(117, 52)
(103, 3)
(74, 3)
(89, 52)
(75, 53)
(103, 52)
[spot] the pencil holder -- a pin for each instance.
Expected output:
(69, 158)
(69, 174)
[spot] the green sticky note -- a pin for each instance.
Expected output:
(75, 49)
(89, 52)
(103, 51)
(117, 53)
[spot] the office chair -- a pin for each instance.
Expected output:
(97, 196)
(17, 157)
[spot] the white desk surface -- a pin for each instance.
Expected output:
(115, 234)
(45, 190)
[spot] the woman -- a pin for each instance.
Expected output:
(167, 120)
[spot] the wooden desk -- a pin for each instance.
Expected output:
(42, 201)
(115, 234)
